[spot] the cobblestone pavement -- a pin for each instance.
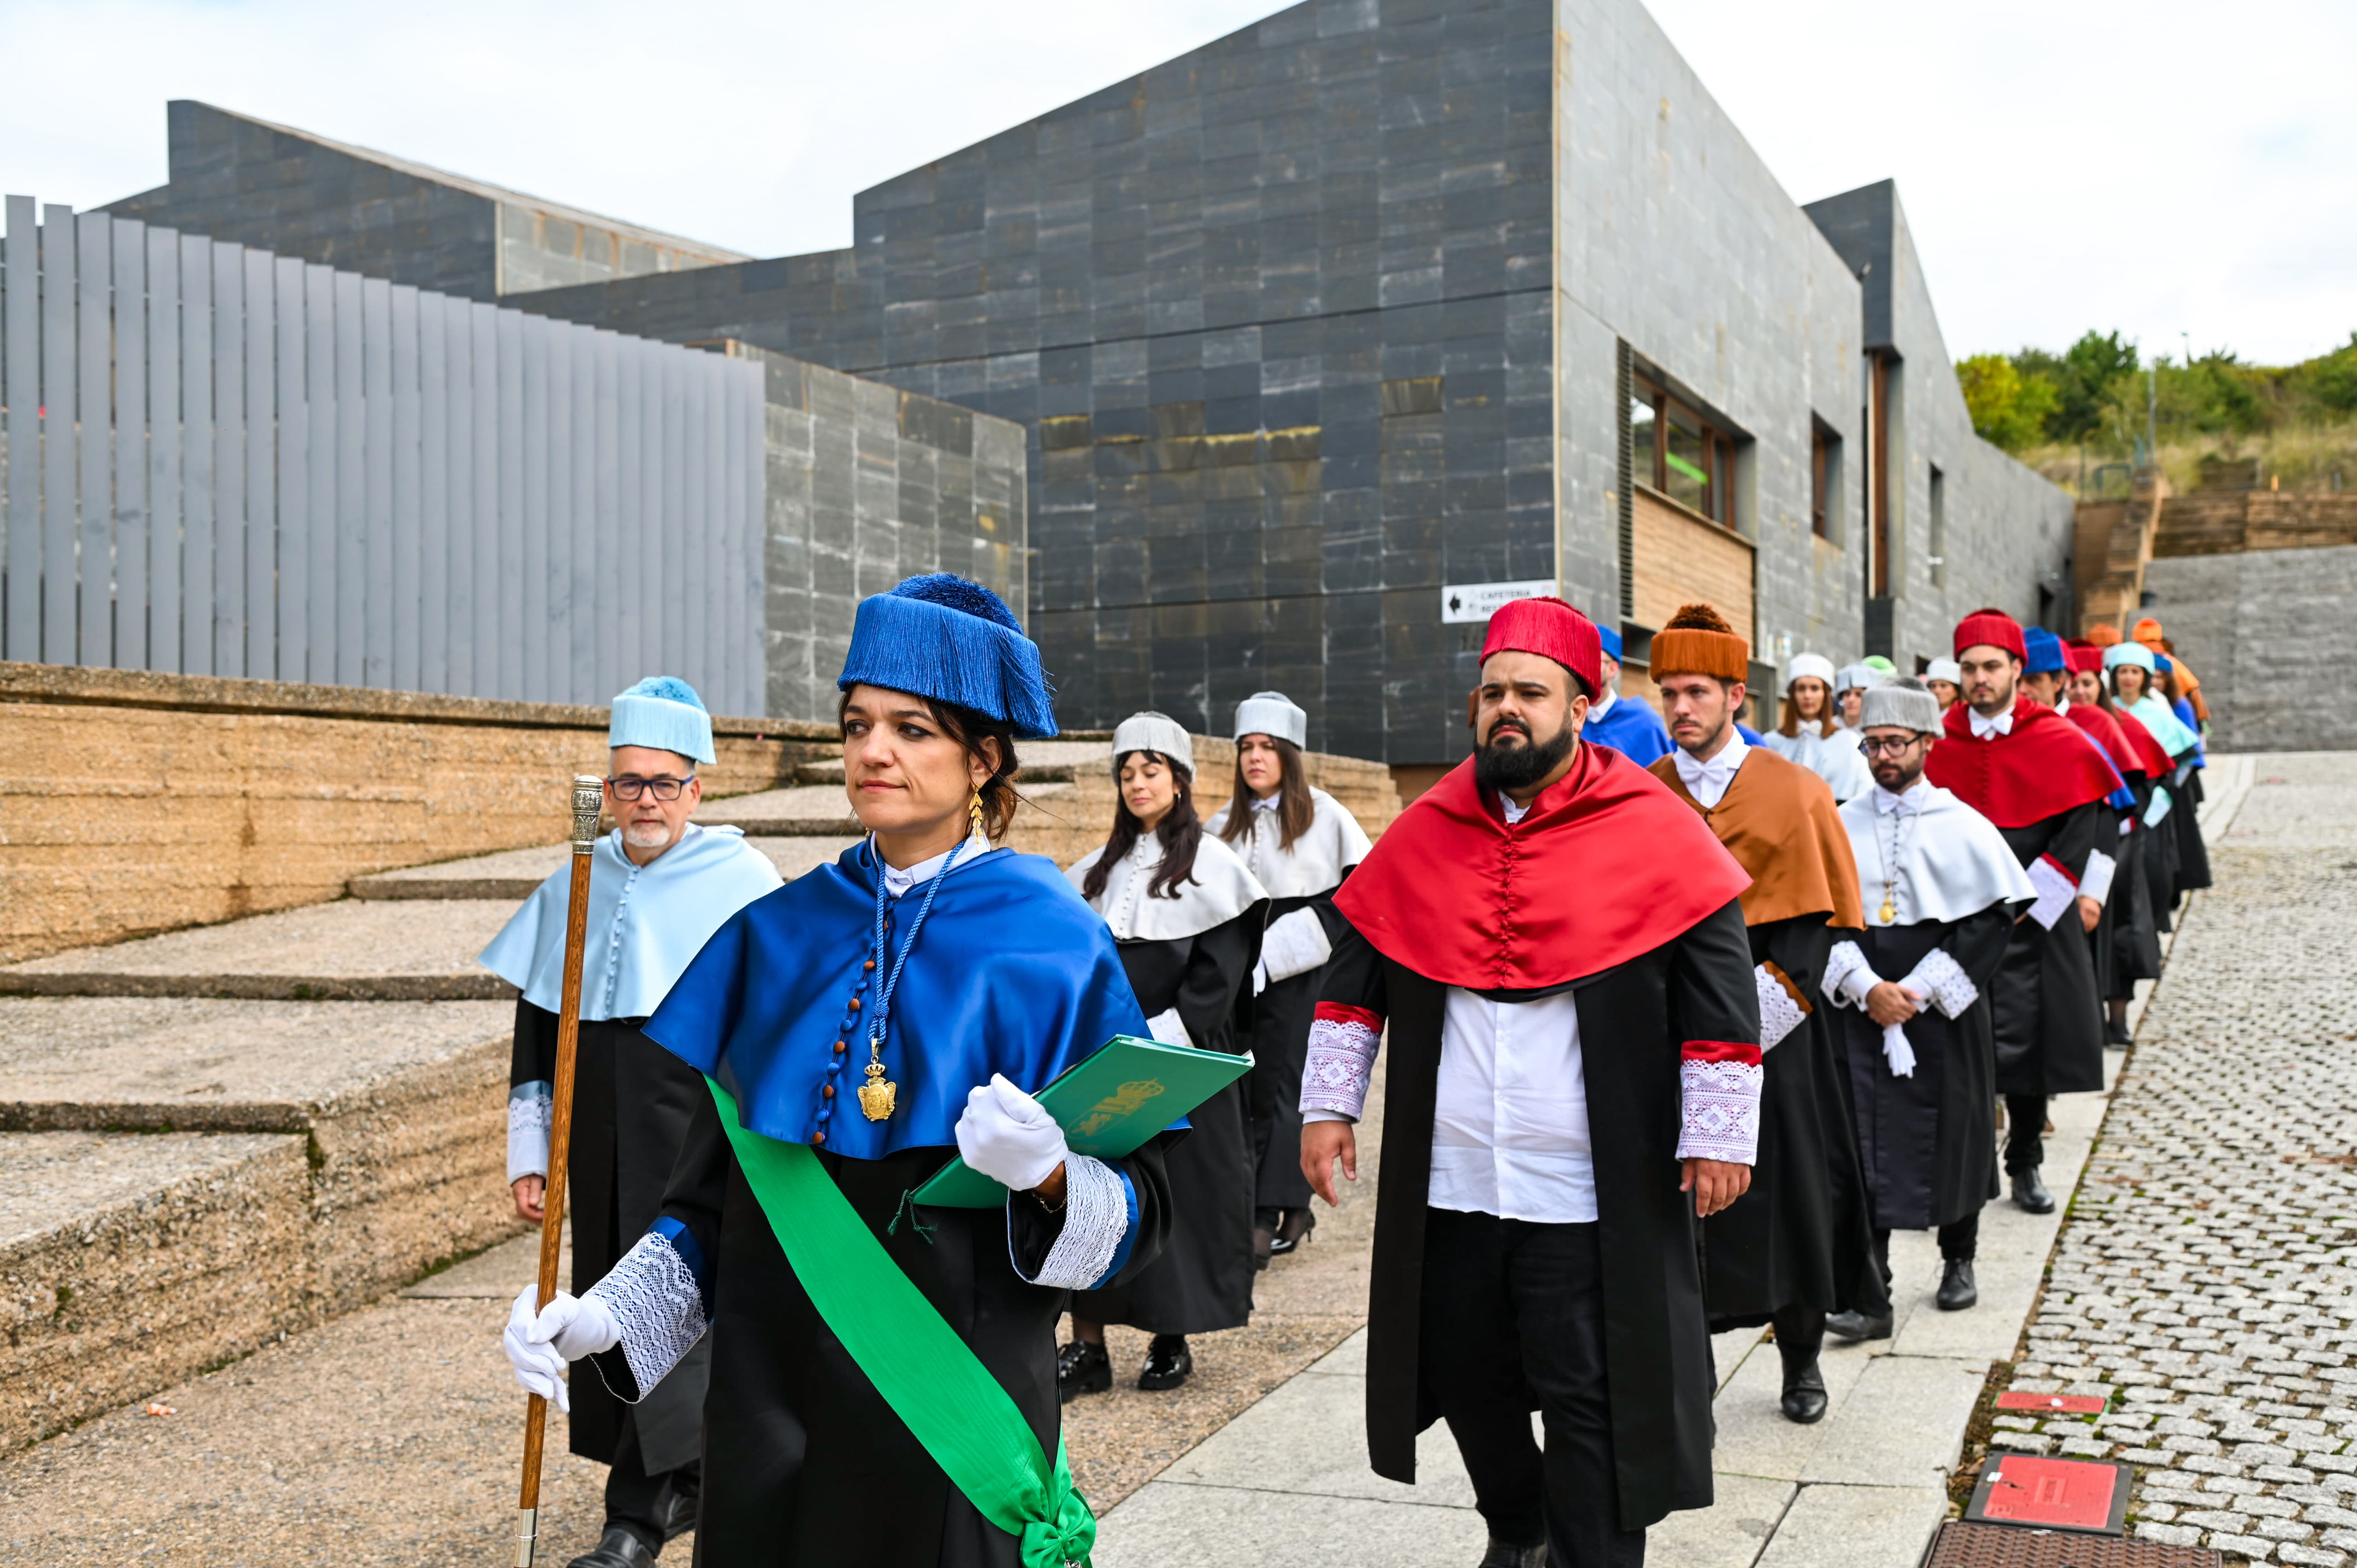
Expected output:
(2204, 1280)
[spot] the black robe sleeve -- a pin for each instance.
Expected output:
(1215, 984)
(534, 1059)
(1797, 949)
(1713, 998)
(1976, 943)
(1354, 973)
(2075, 833)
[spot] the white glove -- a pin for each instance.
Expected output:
(567, 1330)
(1897, 1052)
(1260, 977)
(1009, 1136)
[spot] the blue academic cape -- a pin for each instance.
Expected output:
(1632, 729)
(1011, 974)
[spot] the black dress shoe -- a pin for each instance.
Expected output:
(1294, 1232)
(679, 1509)
(618, 1548)
(1081, 1368)
(2116, 1033)
(1506, 1554)
(2029, 1194)
(1804, 1396)
(1957, 1290)
(1168, 1363)
(1857, 1326)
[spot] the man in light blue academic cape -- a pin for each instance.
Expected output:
(658, 887)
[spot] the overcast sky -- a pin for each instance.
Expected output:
(2162, 167)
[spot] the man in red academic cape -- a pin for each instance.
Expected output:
(1557, 945)
(2033, 773)
(2134, 953)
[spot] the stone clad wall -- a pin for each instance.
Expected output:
(2269, 633)
(138, 804)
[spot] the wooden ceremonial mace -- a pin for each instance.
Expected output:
(588, 797)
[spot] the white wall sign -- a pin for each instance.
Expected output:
(1480, 601)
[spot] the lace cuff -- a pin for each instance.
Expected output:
(1169, 1028)
(1294, 945)
(2098, 883)
(654, 1295)
(1720, 1104)
(1942, 982)
(1100, 1213)
(1848, 977)
(530, 1108)
(1343, 1042)
(1780, 1012)
(2057, 890)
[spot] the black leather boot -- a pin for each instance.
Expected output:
(2029, 1194)
(2116, 1033)
(1295, 1232)
(1957, 1290)
(1168, 1363)
(1506, 1554)
(618, 1548)
(1082, 1367)
(1805, 1395)
(1856, 1326)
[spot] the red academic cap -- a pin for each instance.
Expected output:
(1996, 628)
(2085, 657)
(1552, 630)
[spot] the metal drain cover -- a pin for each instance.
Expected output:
(1963, 1545)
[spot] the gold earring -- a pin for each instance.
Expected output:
(973, 811)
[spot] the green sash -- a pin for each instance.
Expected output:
(916, 1361)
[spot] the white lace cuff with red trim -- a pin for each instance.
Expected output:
(2057, 890)
(1342, 1043)
(1720, 1085)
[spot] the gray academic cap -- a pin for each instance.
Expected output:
(1153, 732)
(1275, 715)
(1905, 704)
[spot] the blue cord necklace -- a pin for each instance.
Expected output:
(878, 1094)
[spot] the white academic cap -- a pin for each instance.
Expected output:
(1275, 715)
(1858, 675)
(1805, 665)
(1907, 703)
(1153, 732)
(1946, 669)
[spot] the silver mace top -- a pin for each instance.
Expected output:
(588, 801)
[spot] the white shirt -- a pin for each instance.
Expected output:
(1707, 781)
(1509, 1111)
(1602, 706)
(897, 883)
(1908, 800)
(1984, 728)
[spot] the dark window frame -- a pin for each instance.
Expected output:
(1718, 445)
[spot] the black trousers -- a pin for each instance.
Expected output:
(2024, 1127)
(1960, 1242)
(1513, 1315)
(636, 1501)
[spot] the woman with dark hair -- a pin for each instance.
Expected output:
(1300, 843)
(879, 1377)
(1187, 918)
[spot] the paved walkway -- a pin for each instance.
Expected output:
(1864, 1488)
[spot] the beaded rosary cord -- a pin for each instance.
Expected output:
(1901, 828)
(878, 1094)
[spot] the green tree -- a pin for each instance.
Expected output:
(2332, 379)
(2091, 384)
(2008, 407)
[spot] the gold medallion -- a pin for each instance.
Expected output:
(878, 1094)
(1889, 910)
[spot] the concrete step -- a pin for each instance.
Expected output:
(128, 1262)
(357, 950)
(830, 770)
(820, 811)
(511, 874)
(401, 1108)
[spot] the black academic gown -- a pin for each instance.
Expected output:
(2103, 941)
(804, 1465)
(1929, 1142)
(632, 1101)
(1802, 1235)
(2135, 934)
(1202, 1280)
(2161, 865)
(2048, 1019)
(2185, 824)
(1633, 1018)
(1277, 1036)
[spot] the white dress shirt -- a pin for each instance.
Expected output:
(1707, 781)
(1602, 706)
(1983, 727)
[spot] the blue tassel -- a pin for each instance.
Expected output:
(929, 642)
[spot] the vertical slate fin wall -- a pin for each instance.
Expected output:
(1278, 315)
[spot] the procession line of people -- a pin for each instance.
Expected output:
(1683, 1019)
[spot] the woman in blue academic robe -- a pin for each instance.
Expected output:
(961, 978)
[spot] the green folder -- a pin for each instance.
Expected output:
(1128, 1090)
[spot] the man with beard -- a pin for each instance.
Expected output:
(1942, 891)
(1799, 1244)
(2031, 772)
(658, 886)
(1535, 1231)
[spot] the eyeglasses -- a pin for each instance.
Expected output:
(1873, 748)
(630, 789)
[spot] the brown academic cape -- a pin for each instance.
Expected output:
(1802, 1234)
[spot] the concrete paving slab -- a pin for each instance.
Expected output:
(351, 951)
(1902, 1425)
(1744, 1513)
(513, 874)
(1220, 1527)
(1754, 1438)
(1856, 1527)
(128, 1261)
(495, 1274)
(1307, 1439)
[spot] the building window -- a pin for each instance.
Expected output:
(1825, 482)
(1680, 454)
(1939, 528)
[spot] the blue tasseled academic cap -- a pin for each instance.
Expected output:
(2045, 652)
(943, 637)
(662, 712)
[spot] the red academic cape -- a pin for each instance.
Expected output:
(2043, 769)
(2106, 732)
(2152, 756)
